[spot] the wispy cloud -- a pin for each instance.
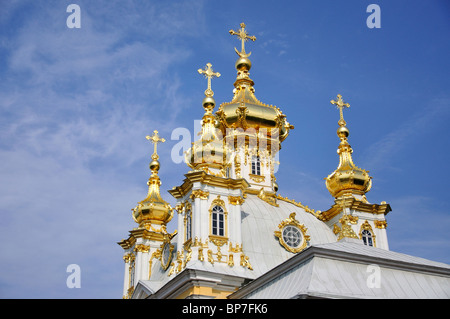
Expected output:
(380, 152)
(75, 106)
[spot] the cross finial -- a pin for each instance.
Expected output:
(209, 74)
(340, 104)
(243, 36)
(155, 139)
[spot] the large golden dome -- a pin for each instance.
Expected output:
(245, 110)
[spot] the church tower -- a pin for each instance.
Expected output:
(352, 217)
(208, 202)
(234, 156)
(150, 239)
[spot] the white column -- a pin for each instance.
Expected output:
(137, 268)
(204, 218)
(237, 224)
(126, 278)
(196, 219)
(383, 240)
(181, 235)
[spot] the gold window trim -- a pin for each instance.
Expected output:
(218, 202)
(291, 221)
(366, 226)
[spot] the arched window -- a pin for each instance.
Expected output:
(367, 237)
(218, 221)
(256, 165)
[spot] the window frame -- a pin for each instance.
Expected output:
(256, 165)
(218, 221)
(367, 237)
(366, 233)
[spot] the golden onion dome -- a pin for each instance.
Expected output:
(209, 151)
(347, 178)
(153, 209)
(245, 110)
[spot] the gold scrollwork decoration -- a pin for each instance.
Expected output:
(235, 200)
(198, 193)
(381, 224)
(267, 198)
(141, 248)
(257, 178)
(245, 262)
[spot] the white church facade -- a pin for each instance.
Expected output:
(238, 238)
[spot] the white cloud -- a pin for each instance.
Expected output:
(75, 107)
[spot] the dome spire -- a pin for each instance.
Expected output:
(347, 179)
(209, 74)
(243, 63)
(153, 210)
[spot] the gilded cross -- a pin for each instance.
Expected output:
(209, 74)
(155, 139)
(243, 36)
(340, 104)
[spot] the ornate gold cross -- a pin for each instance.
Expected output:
(155, 139)
(340, 104)
(209, 74)
(243, 36)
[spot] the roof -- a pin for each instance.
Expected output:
(326, 268)
(347, 270)
(259, 222)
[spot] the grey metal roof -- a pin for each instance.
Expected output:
(340, 270)
(259, 222)
(326, 268)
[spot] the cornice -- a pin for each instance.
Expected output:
(353, 204)
(200, 176)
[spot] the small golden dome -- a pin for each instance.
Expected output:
(208, 151)
(153, 209)
(347, 178)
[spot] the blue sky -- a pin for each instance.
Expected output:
(76, 105)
